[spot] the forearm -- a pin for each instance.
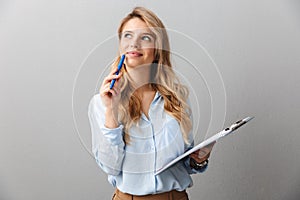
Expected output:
(107, 143)
(111, 118)
(110, 158)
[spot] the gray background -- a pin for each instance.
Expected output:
(47, 78)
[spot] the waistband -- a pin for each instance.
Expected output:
(171, 195)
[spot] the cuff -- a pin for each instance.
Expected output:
(114, 135)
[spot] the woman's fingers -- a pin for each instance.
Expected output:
(197, 159)
(110, 77)
(117, 84)
(203, 153)
(111, 96)
(106, 90)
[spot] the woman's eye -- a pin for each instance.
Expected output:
(127, 35)
(146, 38)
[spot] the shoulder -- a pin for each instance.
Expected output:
(95, 103)
(95, 99)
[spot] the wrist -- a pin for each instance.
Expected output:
(112, 112)
(198, 166)
(111, 118)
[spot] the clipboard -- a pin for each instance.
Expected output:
(208, 141)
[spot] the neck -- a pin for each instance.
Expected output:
(140, 76)
(145, 88)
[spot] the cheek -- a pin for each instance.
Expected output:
(150, 52)
(123, 45)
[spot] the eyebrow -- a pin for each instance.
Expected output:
(143, 33)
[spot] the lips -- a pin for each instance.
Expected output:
(134, 53)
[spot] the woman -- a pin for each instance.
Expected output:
(144, 121)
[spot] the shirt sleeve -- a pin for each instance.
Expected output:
(107, 144)
(189, 146)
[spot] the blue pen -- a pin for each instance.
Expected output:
(119, 68)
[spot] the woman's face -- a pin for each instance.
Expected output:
(137, 42)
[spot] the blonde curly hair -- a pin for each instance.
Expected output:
(162, 79)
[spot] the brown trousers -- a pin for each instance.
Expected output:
(172, 195)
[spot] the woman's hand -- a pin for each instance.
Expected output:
(111, 99)
(202, 154)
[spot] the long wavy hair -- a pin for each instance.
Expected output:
(162, 79)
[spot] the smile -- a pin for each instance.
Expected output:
(134, 53)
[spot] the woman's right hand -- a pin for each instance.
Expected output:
(111, 97)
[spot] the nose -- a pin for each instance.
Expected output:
(135, 43)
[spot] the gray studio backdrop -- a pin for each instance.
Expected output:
(54, 53)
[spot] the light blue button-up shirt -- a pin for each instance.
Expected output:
(153, 142)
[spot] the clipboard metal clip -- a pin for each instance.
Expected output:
(240, 123)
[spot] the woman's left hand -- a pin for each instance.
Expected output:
(202, 154)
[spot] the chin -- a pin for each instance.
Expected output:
(134, 64)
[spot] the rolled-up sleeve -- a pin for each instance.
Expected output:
(107, 144)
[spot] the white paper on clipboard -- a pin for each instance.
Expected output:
(208, 141)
